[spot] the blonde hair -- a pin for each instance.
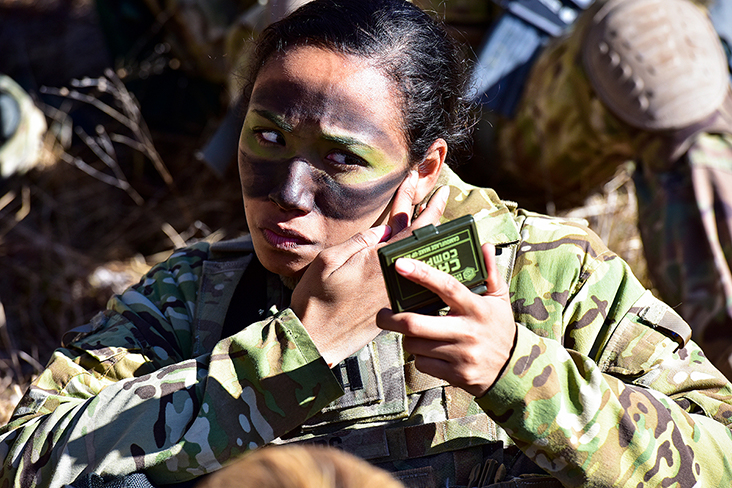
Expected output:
(300, 467)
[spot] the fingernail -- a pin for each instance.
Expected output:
(380, 232)
(385, 233)
(404, 266)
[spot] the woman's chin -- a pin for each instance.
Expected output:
(290, 266)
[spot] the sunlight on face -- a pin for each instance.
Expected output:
(321, 154)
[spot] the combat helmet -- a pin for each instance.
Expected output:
(657, 65)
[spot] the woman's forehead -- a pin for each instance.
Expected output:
(313, 85)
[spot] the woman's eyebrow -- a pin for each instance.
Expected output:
(345, 141)
(276, 119)
(280, 122)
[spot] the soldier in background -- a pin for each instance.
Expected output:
(631, 80)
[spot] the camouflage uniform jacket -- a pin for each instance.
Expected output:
(597, 392)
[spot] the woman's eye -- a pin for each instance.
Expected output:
(345, 159)
(269, 137)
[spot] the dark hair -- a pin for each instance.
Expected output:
(405, 44)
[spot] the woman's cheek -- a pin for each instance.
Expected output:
(344, 202)
(258, 176)
(263, 178)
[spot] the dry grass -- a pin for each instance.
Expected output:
(613, 214)
(85, 224)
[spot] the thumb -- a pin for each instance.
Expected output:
(494, 282)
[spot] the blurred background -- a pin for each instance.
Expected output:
(117, 120)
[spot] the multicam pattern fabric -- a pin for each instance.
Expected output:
(598, 392)
(684, 220)
(563, 143)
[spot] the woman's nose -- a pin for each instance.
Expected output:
(295, 191)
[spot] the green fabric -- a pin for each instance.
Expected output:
(594, 393)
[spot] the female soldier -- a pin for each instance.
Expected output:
(570, 373)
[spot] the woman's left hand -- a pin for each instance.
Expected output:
(469, 346)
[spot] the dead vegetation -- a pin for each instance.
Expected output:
(105, 203)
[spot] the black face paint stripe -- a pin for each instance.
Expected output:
(344, 202)
(261, 179)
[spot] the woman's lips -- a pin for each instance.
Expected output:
(284, 239)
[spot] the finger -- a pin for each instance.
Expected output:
(438, 368)
(466, 379)
(334, 257)
(410, 324)
(494, 282)
(433, 348)
(401, 208)
(434, 210)
(453, 293)
(430, 215)
(385, 320)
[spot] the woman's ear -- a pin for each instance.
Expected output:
(429, 170)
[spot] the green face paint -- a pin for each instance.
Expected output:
(315, 152)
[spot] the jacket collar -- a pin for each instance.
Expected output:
(494, 217)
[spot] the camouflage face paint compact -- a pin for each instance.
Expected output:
(452, 247)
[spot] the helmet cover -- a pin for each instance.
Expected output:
(656, 64)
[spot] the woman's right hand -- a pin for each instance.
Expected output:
(342, 290)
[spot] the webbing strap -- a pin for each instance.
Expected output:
(417, 382)
(504, 61)
(513, 44)
(550, 16)
(663, 318)
(428, 439)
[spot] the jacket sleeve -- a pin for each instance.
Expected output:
(612, 399)
(128, 396)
